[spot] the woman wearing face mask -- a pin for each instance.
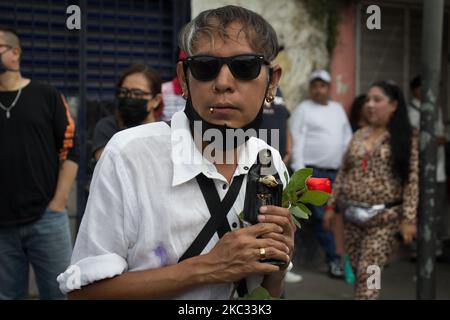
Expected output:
(377, 186)
(138, 97)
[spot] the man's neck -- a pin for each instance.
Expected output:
(11, 81)
(322, 103)
(224, 166)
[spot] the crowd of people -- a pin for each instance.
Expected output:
(160, 225)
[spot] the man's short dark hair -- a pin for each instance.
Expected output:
(260, 34)
(415, 83)
(11, 36)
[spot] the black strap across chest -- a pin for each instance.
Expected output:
(218, 221)
(218, 210)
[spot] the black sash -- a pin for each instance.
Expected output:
(218, 210)
(218, 221)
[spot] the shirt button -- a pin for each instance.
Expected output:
(224, 186)
(245, 168)
(234, 225)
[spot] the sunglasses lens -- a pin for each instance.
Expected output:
(245, 67)
(204, 68)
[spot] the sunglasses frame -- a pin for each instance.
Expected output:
(228, 61)
(130, 93)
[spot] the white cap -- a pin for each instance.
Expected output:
(321, 75)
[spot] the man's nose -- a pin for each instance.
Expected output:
(225, 81)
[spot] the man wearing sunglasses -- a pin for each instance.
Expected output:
(151, 200)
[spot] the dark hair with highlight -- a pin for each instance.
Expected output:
(260, 34)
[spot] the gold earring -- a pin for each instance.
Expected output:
(184, 95)
(270, 99)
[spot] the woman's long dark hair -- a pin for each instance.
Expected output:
(400, 130)
(356, 111)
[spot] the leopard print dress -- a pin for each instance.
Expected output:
(368, 178)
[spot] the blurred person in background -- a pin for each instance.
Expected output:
(138, 95)
(358, 113)
(377, 186)
(171, 94)
(38, 165)
(320, 132)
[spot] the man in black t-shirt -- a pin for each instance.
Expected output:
(275, 117)
(37, 168)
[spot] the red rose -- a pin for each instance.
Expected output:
(319, 184)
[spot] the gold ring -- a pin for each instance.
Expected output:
(262, 253)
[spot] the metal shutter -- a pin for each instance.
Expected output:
(382, 51)
(119, 32)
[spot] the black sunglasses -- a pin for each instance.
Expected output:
(243, 66)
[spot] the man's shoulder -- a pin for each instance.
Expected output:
(42, 87)
(302, 106)
(336, 104)
(338, 108)
(155, 132)
(305, 103)
(107, 123)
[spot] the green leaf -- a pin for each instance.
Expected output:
(314, 197)
(297, 223)
(292, 196)
(241, 216)
(298, 213)
(259, 293)
(285, 197)
(303, 208)
(298, 179)
(286, 176)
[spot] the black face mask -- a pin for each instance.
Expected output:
(132, 111)
(193, 115)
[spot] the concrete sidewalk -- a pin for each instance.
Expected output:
(397, 282)
(398, 279)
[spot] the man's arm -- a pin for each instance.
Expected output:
(67, 174)
(234, 257)
(288, 154)
(162, 283)
(298, 137)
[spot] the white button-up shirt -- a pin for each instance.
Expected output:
(145, 207)
(320, 135)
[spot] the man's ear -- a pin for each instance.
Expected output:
(156, 101)
(17, 51)
(182, 77)
(274, 81)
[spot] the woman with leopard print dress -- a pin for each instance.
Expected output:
(380, 168)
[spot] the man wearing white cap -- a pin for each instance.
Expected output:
(320, 132)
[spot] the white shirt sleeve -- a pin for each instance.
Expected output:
(348, 133)
(298, 131)
(102, 243)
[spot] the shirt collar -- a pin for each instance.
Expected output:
(188, 161)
